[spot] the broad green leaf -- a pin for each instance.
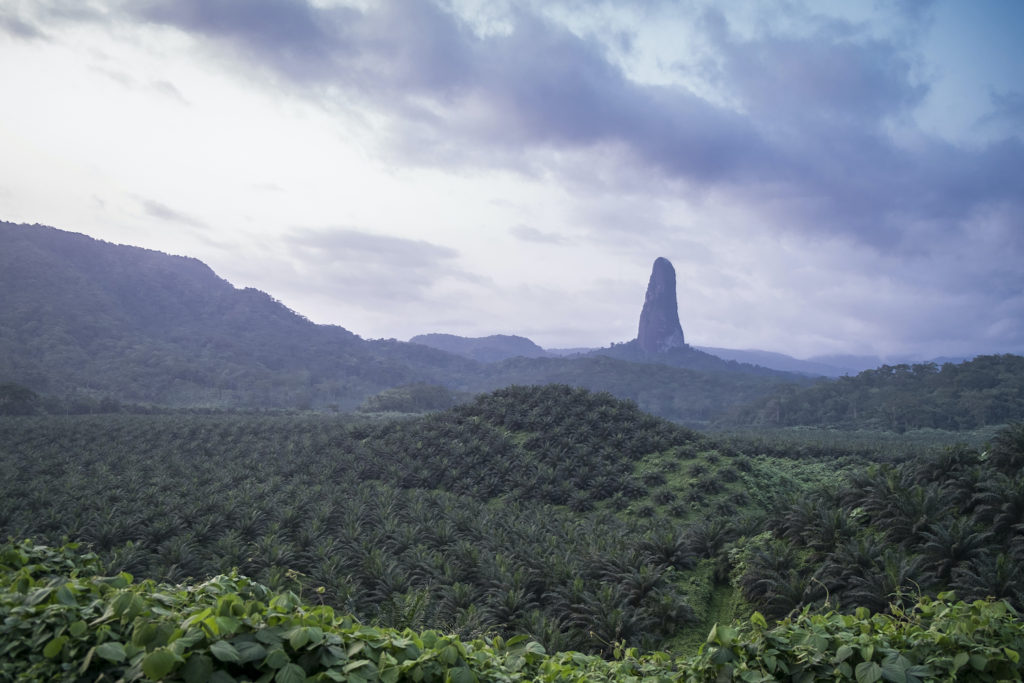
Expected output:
(159, 663)
(66, 597)
(249, 651)
(757, 619)
(449, 655)
(979, 661)
(227, 625)
(461, 674)
(144, 633)
(276, 658)
(269, 636)
(198, 669)
(894, 668)
(78, 628)
(960, 660)
(290, 673)
(112, 651)
(843, 653)
(54, 647)
(514, 640)
(298, 637)
(224, 651)
(868, 672)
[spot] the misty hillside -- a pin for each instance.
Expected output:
(86, 321)
(988, 390)
(488, 349)
(86, 317)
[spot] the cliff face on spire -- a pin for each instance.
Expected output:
(659, 320)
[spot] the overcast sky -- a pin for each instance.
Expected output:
(841, 177)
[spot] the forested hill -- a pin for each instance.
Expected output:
(988, 390)
(88, 318)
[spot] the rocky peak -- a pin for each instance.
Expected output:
(659, 320)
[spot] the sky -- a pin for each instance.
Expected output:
(825, 177)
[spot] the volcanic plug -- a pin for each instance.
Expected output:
(659, 320)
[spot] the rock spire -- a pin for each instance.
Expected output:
(659, 320)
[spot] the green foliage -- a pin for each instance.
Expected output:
(934, 639)
(61, 620)
(988, 390)
(17, 400)
(500, 516)
(414, 398)
(694, 397)
(944, 521)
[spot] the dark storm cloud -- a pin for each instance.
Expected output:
(539, 85)
(813, 131)
(291, 36)
(827, 102)
(18, 26)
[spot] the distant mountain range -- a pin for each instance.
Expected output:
(489, 349)
(827, 366)
(92, 325)
(498, 347)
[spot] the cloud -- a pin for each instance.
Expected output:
(530, 234)
(810, 140)
(1008, 109)
(287, 35)
(17, 26)
(372, 267)
(165, 213)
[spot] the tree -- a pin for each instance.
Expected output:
(17, 400)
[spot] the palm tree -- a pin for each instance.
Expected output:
(950, 544)
(895, 574)
(990, 576)
(1007, 452)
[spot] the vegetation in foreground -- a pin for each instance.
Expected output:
(567, 515)
(63, 621)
